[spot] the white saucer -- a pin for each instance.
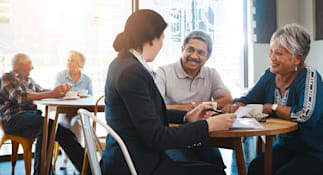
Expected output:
(261, 116)
(84, 96)
(71, 98)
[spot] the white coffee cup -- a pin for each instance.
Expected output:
(83, 92)
(71, 94)
(256, 109)
(215, 104)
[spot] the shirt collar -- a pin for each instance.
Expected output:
(19, 76)
(142, 61)
(68, 76)
(182, 74)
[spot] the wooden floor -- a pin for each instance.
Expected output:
(5, 168)
(228, 157)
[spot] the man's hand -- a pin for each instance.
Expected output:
(200, 112)
(60, 90)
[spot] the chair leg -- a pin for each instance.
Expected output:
(27, 156)
(14, 156)
(55, 155)
(85, 163)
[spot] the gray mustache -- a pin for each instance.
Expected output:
(193, 60)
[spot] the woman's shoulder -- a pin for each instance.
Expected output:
(310, 73)
(85, 76)
(268, 75)
(62, 74)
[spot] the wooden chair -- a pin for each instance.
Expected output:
(91, 142)
(15, 141)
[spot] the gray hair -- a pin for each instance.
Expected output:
(18, 60)
(80, 56)
(294, 38)
(201, 36)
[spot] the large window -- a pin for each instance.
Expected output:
(221, 19)
(48, 29)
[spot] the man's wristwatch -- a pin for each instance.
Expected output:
(274, 108)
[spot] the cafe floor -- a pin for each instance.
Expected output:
(228, 158)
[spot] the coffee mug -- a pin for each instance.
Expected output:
(256, 109)
(215, 104)
(83, 92)
(71, 94)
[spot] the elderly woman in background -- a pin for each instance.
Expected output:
(80, 81)
(290, 90)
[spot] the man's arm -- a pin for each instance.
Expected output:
(59, 91)
(223, 100)
(183, 107)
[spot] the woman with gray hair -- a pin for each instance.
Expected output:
(290, 90)
(80, 81)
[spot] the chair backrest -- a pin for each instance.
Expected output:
(91, 139)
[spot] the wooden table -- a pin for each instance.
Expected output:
(61, 106)
(232, 139)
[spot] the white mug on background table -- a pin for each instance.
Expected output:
(83, 93)
(71, 94)
(256, 109)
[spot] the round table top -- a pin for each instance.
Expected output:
(272, 126)
(63, 102)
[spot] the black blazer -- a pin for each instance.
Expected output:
(136, 111)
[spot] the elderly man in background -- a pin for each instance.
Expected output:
(186, 83)
(20, 116)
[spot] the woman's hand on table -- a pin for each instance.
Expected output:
(231, 108)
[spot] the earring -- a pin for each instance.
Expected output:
(296, 69)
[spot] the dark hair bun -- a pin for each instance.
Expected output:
(120, 42)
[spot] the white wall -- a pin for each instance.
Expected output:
(288, 11)
(306, 9)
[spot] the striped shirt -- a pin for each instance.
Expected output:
(13, 95)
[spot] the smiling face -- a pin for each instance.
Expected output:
(73, 63)
(282, 61)
(26, 68)
(194, 56)
(23, 65)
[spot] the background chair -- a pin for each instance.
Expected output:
(15, 141)
(91, 142)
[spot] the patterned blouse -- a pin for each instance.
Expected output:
(305, 96)
(13, 93)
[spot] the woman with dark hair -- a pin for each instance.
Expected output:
(136, 111)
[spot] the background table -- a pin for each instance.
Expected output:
(61, 106)
(232, 139)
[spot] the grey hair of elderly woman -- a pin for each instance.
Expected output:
(80, 57)
(295, 39)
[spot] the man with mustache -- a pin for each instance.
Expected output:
(186, 83)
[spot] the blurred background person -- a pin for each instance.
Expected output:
(79, 81)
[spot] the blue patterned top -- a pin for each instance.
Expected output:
(83, 83)
(305, 96)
